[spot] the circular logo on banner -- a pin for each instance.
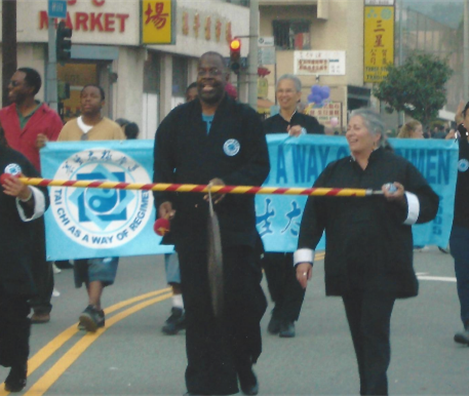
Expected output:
(463, 165)
(13, 169)
(231, 147)
(101, 218)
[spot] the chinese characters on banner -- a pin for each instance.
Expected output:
(319, 62)
(379, 42)
(157, 22)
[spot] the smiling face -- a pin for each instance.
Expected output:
(360, 140)
(91, 101)
(287, 95)
(18, 88)
(211, 79)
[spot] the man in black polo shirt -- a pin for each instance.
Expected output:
(284, 289)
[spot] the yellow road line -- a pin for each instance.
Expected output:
(50, 348)
(53, 374)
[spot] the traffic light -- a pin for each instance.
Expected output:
(63, 43)
(235, 55)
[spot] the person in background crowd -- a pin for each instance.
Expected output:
(191, 92)
(284, 290)
(369, 240)
(19, 206)
(28, 125)
(411, 130)
(459, 239)
(440, 132)
(215, 140)
(129, 128)
(96, 273)
(177, 320)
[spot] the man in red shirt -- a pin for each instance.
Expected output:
(28, 125)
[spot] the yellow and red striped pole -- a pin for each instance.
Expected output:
(201, 188)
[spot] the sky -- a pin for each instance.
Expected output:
(448, 12)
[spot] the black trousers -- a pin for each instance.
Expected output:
(369, 317)
(284, 288)
(217, 348)
(42, 271)
(15, 328)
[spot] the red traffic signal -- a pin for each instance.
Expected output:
(235, 55)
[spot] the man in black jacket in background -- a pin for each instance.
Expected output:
(284, 289)
(216, 140)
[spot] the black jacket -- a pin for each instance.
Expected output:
(16, 236)
(184, 153)
(368, 246)
(277, 124)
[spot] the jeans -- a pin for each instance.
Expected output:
(458, 242)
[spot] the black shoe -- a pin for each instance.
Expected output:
(287, 329)
(248, 381)
(91, 319)
(462, 337)
(176, 322)
(274, 325)
(16, 380)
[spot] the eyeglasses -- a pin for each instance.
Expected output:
(212, 72)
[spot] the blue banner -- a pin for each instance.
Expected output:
(297, 162)
(86, 223)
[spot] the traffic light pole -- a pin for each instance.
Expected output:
(253, 54)
(51, 93)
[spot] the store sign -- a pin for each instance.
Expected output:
(378, 42)
(330, 115)
(97, 20)
(157, 22)
(380, 2)
(329, 63)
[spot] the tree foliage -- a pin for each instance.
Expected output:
(417, 87)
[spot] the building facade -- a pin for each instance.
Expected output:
(143, 82)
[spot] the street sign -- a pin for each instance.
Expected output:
(57, 9)
(265, 41)
(266, 56)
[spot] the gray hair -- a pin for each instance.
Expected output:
(372, 121)
(292, 77)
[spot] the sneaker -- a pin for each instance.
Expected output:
(176, 322)
(287, 329)
(16, 380)
(421, 249)
(274, 325)
(91, 319)
(39, 318)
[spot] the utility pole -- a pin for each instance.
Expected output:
(253, 55)
(9, 60)
(51, 98)
(466, 51)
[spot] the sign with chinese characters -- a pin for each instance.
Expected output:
(307, 63)
(331, 110)
(378, 42)
(157, 22)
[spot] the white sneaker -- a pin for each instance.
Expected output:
(56, 269)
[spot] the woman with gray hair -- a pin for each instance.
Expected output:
(368, 240)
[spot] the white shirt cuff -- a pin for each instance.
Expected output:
(303, 256)
(303, 131)
(39, 205)
(413, 206)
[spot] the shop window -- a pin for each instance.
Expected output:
(292, 34)
(151, 74)
(179, 76)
